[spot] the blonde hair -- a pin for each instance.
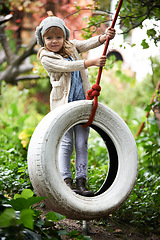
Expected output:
(67, 48)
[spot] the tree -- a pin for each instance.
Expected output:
(133, 14)
(16, 63)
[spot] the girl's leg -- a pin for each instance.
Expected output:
(81, 148)
(65, 152)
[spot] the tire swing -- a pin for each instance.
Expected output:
(44, 168)
(43, 163)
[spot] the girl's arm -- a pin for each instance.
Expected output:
(99, 62)
(93, 42)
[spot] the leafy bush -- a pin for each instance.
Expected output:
(16, 127)
(98, 163)
(13, 162)
(21, 219)
(142, 208)
(13, 173)
(148, 144)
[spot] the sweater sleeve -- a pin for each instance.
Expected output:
(86, 45)
(60, 65)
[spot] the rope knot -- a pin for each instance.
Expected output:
(94, 91)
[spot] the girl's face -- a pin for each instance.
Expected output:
(54, 39)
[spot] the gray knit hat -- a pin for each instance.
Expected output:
(47, 23)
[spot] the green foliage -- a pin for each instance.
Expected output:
(13, 171)
(17, 214)
(122, 75)
(21, 219)
(14, 120)
(144, 44)
(142, 208)
(134, 13)
(98, 161)
(148, 144)
(92, 25)
(156, 71)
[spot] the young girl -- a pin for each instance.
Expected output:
(68, 76)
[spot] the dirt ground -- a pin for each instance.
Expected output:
(113, 231)
(98, 231)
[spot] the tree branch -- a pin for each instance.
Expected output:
(133, 17)
(16, 67)
(147, 114)
(4, 42)
(3, 57)
(85, 9)
(29, 51)
(29, 77)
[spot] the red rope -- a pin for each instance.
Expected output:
(94, 92)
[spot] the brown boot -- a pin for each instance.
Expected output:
(81, 188)
(69, 182)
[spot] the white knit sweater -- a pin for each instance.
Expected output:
(59, 70)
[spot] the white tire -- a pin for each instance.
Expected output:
(43, 161)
